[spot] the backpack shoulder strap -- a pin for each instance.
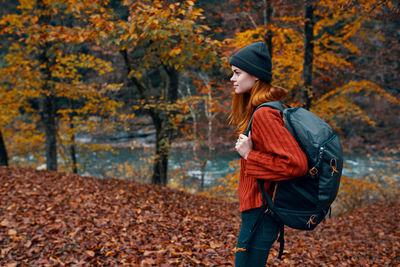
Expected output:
(268, 205)
(273, 104)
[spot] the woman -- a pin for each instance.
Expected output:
(269, 152)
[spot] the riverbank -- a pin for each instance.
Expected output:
(140, 133)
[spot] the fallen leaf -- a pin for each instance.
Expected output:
(90, 253)
(28, 244)
(12, 232)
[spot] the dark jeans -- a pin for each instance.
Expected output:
(259, 246)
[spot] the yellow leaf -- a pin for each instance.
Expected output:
(108, 253)
(175, 51)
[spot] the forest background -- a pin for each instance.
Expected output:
(75, 75)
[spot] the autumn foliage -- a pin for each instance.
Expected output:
(74, 68)
(56, 219)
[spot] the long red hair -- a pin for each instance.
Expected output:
(243, 105)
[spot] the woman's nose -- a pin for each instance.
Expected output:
(232, 78)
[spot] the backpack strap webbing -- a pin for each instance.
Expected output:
(269, 205)
(260, 217)
(274, 104)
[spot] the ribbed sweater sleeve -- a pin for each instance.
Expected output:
(275, 155)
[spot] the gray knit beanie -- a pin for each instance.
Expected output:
(255, 60)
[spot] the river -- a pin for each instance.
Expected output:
(137, 163)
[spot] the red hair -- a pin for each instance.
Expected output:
(243, 105)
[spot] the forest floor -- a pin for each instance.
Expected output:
(56, 219)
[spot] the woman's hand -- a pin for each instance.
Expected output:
(244, 145)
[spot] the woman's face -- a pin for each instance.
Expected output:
(242, 81)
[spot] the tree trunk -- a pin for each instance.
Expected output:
(210, 116)
(72, 149)
(267, 23)
(164, 129)
(162, 119)
(3, 152)
(160, 169)
(49, 121)
(196, 145)
(308, 53)
(173, 75)
(48, 109)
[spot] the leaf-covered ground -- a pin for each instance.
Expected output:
(55, 219)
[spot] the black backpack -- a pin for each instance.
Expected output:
(302, 203)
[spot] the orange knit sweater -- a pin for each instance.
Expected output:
(275, 156)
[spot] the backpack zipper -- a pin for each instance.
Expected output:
(314, 170)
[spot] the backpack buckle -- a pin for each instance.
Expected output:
(311, 221)
(313, 171)
(333, 166)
